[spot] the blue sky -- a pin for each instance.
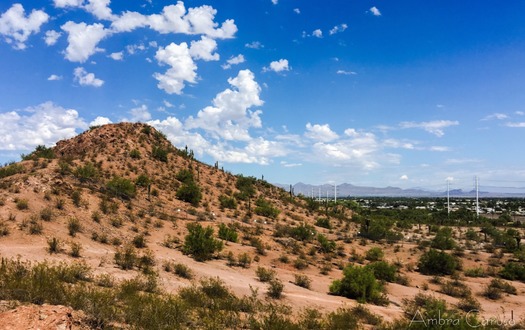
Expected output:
(381, 93)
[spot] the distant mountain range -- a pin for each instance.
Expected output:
(350, 190)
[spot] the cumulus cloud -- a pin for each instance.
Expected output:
(44, 124)
(375, 11)
(338, 28)
(84, 78)
(275, 2)
(100, 9)
(515, 124)
(176, 19)
(16, 27)
(204, 49)
(317, 33)
(99, 121)
(278, 66)
(54, 77)
(67, 3)
(182, 68)
(51, 37)
(297, 11)
(434, 127)
(254, 45)
(119, 56)
(140, 114)
(83, 40)
(234, 60)
(321, 133)
(230, 116)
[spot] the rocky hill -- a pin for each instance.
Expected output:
(121, 205)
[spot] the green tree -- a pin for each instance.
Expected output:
(435, 262)
(358, 283)
(190, 193)
(443, 239)
(199, 243)
(121, 187)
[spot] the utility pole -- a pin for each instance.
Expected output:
(335, 193)
(477, 196)
(448, 197)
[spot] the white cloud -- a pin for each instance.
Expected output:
(41, 125)
(498, 116)
(54, 77)
(515, 124)
(86, 79)
(286, 164)
(132, 49)
(83, 40)
(278, 66)
(317, 33)
(254, 45)
(99, 121)
(51, 37)
(119, 56)
(16, 27)
(297, 11)
(68, 3)
(404, 177)
(275, 2)
(520, 113)
(176, 19)
(182, 68)
(234, 60)
(375, 11)
(439, 148)
(338, 28)
(140, 114)
(100, 9)
(435, 127)
(230, 118)
(346, 73)
(204, 49)
(321, 133)
(167, 104)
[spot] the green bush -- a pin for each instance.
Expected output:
(358, 283)
(22, 204)
(436, 262)
(374, 254)
(275, 288)
(135, 154)
(326, 245)
(54, 245)
(227, 202)
(74, 226)
(199, 243)
(190, 193)
(126, 257)
(383, 271)
(513, 271)
(41, 151)
(160, 153)
(185, 176)
(142, 180)
(121, 187)
(302, 281)
(265, 209)
(443, 239)
(265, 274)
(86, 172)
(246, 187)
(11, 169)
(183, 271)
(227, 233)
(323, 222)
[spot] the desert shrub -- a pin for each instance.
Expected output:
(46, 214)
(435, 262)
(76, 248)
(74, 226)
(358, 283)
(323, 222)
(275, 288)
(455, 288)
(475, 272)
(185, 176)
(227, 233)
(342, 318)
(4, 229)
(374, 254)
(139, 241)
(265, 274)
(121, 187)
(244, 260)
(183, 271)
(22, 204)
(190, 193)
(302, 281)
(302, 232)
(468, 304)
(160, 153)
(199, 242)
(227, 202)
(443, 239)
(496, 287)
(126, 257)
(135, 154)
(86, 172)
(258, 244)
(513, 271)
(300, 263)
(35, 226)
(245, 186)
(383, 271)
(326, 245)
(41, 151)
(10, 169)
(142, 180)
(60, 203)
(265, 208)
(54, 245)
